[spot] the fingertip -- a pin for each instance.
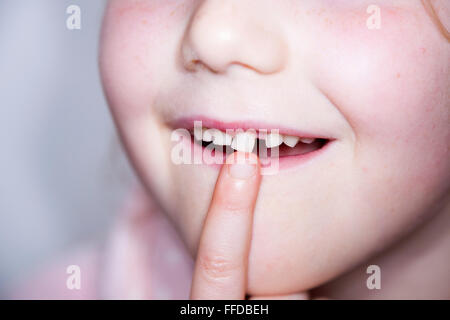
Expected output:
(242, 165)
(221, 266)
(242, 157)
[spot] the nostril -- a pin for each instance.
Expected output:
(189, 57)
(192, 62)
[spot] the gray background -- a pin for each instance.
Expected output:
(62, 171)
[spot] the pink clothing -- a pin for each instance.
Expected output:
(143, 258)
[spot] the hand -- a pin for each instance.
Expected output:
(222, 259)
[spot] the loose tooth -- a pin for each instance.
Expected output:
(291, 141)
(244, 142)
(222, 138)
(209, 134)
(273, 140)
(198, 133)
(307, 140)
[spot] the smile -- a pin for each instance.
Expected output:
(285, 146)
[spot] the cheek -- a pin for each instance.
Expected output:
(392, 86)
(134, 50)
(135, 46)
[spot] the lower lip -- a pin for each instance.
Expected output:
(284, 163)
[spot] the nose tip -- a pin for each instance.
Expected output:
(223, 33)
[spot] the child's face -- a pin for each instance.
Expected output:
(307, 65)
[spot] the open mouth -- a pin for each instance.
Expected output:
(272, 145)
(264, 144)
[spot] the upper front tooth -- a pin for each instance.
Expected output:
(291, 141)
(244, 142)
(217, 137)
(209, 134)
(198, 133)
(273, 140)
(222, 138)
(307, 140)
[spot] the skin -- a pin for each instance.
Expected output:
(222, 260)
(379, 196)
(221, 267)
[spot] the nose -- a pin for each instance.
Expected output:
(223, 33)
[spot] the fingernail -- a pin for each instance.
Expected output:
(242, 171)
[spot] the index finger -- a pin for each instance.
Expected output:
(221, 267)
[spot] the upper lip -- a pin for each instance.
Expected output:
(188, 123)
